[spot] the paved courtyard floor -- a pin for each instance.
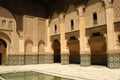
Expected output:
(69, 71)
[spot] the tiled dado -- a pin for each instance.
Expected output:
(64, 59)
(39, 59)
(15, 60)
(26, 59)
(49, 58)
(85, 59)
(114, 60)
(31, 59)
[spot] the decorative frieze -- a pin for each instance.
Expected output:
(102, 29)
(54, 37)
(70, 34)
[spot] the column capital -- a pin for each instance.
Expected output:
(62, 17)
(107, 3)
(80, 10)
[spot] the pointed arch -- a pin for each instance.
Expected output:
(4, 47)
(5, 37)
(41, 46)
(28, 46)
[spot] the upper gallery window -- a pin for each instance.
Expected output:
(3, 23)
(94, 18)
(72, 24)
(10, 24)
(55, 27)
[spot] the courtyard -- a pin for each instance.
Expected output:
(72, 71)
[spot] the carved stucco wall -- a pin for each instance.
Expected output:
(8, 30)
(71, 14)
(41, 36)
(35, 30)
(54, 21)
(116, 6)
(52, 26)
(92, 7)
(28, 47)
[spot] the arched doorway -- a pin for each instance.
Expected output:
(98, 49)
(28, 52)
(41, 51)
(3, 47)
(74, 50)
(56, 49)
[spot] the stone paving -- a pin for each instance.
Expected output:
(69, 71)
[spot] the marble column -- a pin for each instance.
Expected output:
(63, 42)
(85, 58)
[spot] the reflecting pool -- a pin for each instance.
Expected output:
(30, 75)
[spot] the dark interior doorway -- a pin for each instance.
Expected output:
(74, 50)
(98, 50)
(0, 58)
(56, 48)
(3, 47)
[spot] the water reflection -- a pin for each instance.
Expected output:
(30, 76)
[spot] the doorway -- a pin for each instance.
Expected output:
(0, 58)
(3, 47)
(74, 50)
(98, 50)
(56, 48)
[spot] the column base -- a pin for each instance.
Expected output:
(49, 58)
(113, 60)
(85, 60)
(64, 59)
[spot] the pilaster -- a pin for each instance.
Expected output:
(85, 57)
(48, 49)
(113, 55)
(63, 41)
